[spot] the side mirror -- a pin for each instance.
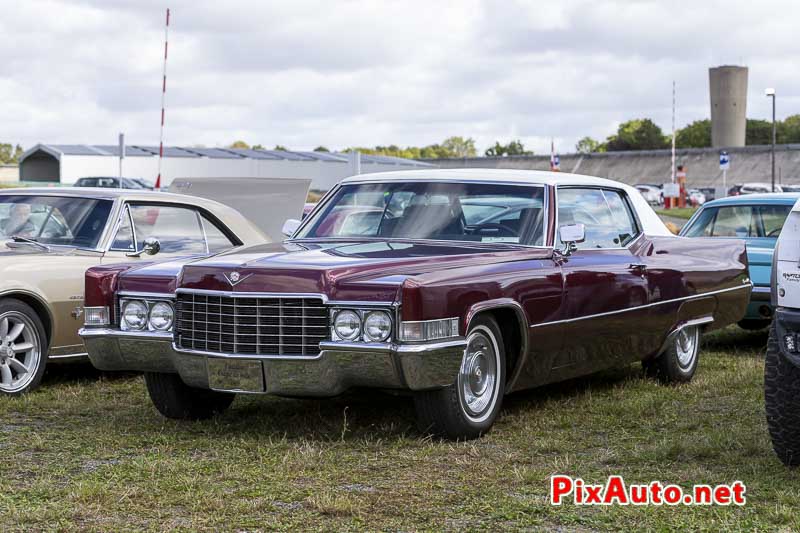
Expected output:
(151, 247)
(571, 235)
(290, 226)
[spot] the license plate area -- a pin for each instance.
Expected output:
(235, 375)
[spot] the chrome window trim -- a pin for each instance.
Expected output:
(625, 200)
(747, 285)
(545, 203)
(113, 237)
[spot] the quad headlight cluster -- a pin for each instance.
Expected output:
(146, 315)
(361, 325)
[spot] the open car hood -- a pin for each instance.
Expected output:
(266, 202)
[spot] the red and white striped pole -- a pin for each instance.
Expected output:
(163, 96)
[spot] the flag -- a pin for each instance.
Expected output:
(555, 161)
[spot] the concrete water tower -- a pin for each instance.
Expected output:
(728, 89)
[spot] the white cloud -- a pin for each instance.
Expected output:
(304, 73)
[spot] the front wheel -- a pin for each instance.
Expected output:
(468, 408)
(23, 348)
(175, 399)
(782, 402)
(678, 362)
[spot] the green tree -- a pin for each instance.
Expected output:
(512, 148)
(321, 149)
(10, 154)
(637, 134)
(791, 129)
(694, 135)
(758, 131)
(587, 145)
(239, 144)
(459, 147)
(280, 148)
(258, 147)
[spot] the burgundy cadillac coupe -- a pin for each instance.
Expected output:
(460, 286)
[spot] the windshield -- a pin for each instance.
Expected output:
(54, 220)
(434, 210)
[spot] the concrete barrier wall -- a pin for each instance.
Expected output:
(749, 163)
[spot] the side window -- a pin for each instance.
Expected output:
(605, 214)
(703, 225)
(735, 221)
(217, 241)
(772, 218)
(177, 229)
(123, 240)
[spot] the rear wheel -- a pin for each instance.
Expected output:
(175, 399)
(23, 348)
(782, 401)
(678, 362)
(468, 408)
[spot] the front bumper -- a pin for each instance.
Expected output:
(338, 367)
(787, 322)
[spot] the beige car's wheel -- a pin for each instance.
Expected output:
(23, 350)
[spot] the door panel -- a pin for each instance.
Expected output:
(600, 328)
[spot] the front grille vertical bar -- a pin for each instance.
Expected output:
(303, 326)
(280, 326)
(194, 326)
(258, 326)
(235, 328)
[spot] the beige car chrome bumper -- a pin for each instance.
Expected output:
(338, 367)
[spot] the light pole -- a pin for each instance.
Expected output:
(771, 93)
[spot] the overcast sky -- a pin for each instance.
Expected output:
(341, 73)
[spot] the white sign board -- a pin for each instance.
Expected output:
(672, 190)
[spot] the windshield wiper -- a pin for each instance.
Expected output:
(17, 238)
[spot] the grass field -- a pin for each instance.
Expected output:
(88, 451)
(684, 213)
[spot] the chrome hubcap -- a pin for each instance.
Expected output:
(686, 346)
(477, 379)
(19, 351)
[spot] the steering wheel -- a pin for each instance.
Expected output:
(476, 228)
(774, 232)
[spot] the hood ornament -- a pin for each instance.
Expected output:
(234, 278)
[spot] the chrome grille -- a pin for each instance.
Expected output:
(246, 325)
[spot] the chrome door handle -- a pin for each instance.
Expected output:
(637, 266)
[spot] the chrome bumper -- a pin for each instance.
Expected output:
(338, 367)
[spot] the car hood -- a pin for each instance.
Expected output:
(364, 271)
(16, 252)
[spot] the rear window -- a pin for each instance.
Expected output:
(740, 221)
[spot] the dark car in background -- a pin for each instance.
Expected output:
(108, 182)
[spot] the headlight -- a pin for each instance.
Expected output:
(161, 316)
(347, 325)
(377, 326)
(134, 315)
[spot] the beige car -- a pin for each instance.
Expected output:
(52, 236)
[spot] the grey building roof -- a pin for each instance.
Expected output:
(214, 153)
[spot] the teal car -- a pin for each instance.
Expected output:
(758, 219)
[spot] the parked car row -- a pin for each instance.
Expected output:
(455, 287)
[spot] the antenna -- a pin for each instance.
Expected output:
(163, 96)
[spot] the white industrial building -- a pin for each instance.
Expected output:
(65, 163)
